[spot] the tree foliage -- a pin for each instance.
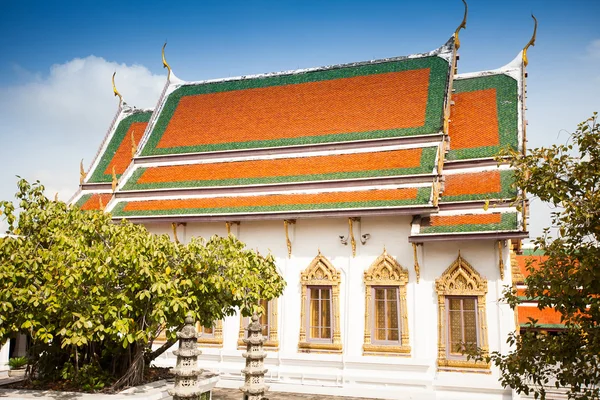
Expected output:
(93, 295)
(567, 278)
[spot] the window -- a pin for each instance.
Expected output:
(461, 312)
(386, 320)
(320, 308)
(268, 320)
(386, 315)
(211, 336)
(462, 325)
(319, 320)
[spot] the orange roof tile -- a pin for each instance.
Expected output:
(469, 219)
(545, 316)
(122, 156)
(474, 120)
(273, 200)
(472, 183)
(307, 109)
(93, 203)
(285, 167)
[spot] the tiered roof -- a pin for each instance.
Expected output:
(485, 117)
(398, 136)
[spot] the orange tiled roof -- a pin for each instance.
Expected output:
(315, 108)
(472, 183)
(380, 99)
(277, 202)
(298, 169)
(123, 156)
(93, 201)
(474, 121)
(117, 151)
(547, 316)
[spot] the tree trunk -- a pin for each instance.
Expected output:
(152, 355)
(134, 375)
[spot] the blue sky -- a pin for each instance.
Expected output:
(56, 59)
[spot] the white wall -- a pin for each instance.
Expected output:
(351, 373)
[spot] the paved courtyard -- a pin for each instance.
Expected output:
(235, 394)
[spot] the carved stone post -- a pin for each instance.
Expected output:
(254, 384)
(186, 370)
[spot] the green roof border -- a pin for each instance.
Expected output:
(438, 82)
(83, 199)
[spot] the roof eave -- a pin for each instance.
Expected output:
(444, 237)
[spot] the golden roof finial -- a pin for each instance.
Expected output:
(100, 203)
(115, 91)
(133, 145)
(531, 41)
(114, 179)
(463, 25)
(165, 63)
(56, 196)
(82, 173)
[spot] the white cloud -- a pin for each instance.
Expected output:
(50, 123)
(593, 49)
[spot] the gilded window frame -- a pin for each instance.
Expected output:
(461, 279)
(320, 272)
(385, 271)
(214, 340)
(272, 342)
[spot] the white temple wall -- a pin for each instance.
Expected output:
(351, 373)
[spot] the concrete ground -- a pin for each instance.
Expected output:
(235, 394)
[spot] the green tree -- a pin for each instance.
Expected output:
(93, 295)
(568, 277)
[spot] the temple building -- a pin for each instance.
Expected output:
(375, 187)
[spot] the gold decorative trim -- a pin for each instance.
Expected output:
(320, 272)
(100, 203)
(214, 340)
(114, 179)
(440, 163)
(82, 173)
(133, 145)
(351, 232)
(165, 63)
(386, 271)
(229, 224)
(531, 41)
(272, 342)
(379, 349)
(463, 25)
(174, 227)
(436, 192)
(500, 260)
(417, 266)
(286, 223)
(115, 91)
(461, 279)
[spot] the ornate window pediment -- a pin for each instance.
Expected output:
(321, 278)
(386, 320)
(461, 286)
